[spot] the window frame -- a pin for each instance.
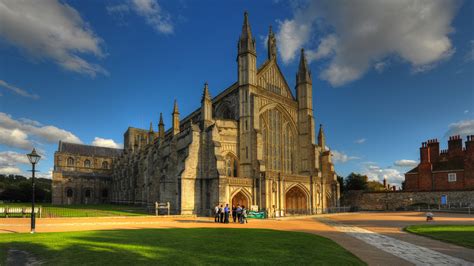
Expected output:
(452, 177)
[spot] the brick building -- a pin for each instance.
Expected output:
(451, 169)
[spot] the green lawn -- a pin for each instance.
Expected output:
(462, 235)
(222, 246)
(98, 210)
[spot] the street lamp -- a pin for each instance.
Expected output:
(34, 159)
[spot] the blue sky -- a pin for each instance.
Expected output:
(386, 76)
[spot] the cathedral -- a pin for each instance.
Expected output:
(253, 144)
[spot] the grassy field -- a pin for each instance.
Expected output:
(462, 235)
(179, 247)
(81, 210)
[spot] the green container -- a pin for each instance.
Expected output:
(256, 215)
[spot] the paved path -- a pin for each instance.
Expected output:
(381, 226)
(413, 253)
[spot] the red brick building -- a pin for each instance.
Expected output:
(451, 169)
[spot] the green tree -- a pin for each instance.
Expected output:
(375, 186)
(356, 182)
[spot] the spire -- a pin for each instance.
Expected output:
(271, 44)
(151, 127)
(161, 120)
(175, 107)
(321, 138)
(205, 93)
(246, 42)
(304, 75)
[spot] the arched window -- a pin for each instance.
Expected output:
(70, 161)
(69, 193)
(105, 193)
(279, 141)
(105, 165)
(87, 193)
(87, 163)
(231, 166)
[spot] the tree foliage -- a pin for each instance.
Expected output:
(16, 188)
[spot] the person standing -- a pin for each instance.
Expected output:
(226, 214)
(234, 213)
(244, 215)
(216, 213)
(239, 213)
(221, 214)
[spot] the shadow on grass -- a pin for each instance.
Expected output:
(180, 246)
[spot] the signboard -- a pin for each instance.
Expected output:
(444, 199)
(256, 215)
(254, 208)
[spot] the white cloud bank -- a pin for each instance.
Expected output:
(462, 128)
(150, 10)
(341, 157)
(51, 30)
(23, 133)
(108, 143)
(377, 173)
(363, 33)
(406, 163)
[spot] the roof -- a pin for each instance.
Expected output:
(451, 165)
(88, 150)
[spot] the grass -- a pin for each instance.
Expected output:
(198, 246)
(462, 235)
(98, 210)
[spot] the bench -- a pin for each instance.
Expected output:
(23, 211)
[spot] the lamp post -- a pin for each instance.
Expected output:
(34, 158)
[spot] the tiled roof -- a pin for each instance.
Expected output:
(88, 150)
(454, 164)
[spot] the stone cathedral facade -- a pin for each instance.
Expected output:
(253, 144)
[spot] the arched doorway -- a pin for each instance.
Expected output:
(296, 201)
(240, 199)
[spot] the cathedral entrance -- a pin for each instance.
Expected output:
(296, 202)
(240, 199)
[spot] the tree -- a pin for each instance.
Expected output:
(356, 182)
(375, 186)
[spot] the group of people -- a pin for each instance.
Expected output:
(222, 214)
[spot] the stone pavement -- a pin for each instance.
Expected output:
(413, 253)
(356, 235)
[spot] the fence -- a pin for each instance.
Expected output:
(19, 212)
(56, 211)
(453, 208)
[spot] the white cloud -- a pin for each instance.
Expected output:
(21, 133)
(9, 161)
(17, 90)
(109, 143)
(360, 141)
(406, 163)
(466, 111)
(51, 30)
(325, 49)
(377, 173)
(342, 157)
(150, 10)
(462, 128)
(367, 32)
(381, 66)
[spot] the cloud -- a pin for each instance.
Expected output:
(377, 173)
(358, 34)
(109, 143)
(150, 10)
(406, 163)
(462, 128)
(466, 112)
(51, 30)
(9, 161)
(342, 157)
(360, 141)
(23, 132)
(17, 90)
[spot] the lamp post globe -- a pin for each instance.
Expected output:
(34, 158)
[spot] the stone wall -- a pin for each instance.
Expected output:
(400, 199)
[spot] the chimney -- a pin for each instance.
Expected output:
(470, 145)
(433, 144)
(425, 153)
(454, 145)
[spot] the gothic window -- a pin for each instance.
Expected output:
(105, 165)
(105, 193)
(87, 193)
(70, 161)
(87, 163)
(279, 141)
(69, 193)
(231, 166)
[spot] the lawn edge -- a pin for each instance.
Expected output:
(405, 229)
